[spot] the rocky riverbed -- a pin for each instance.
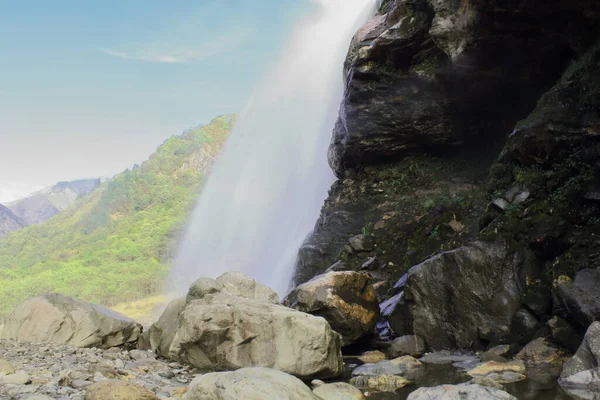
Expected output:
(48, 371)
(230, 338)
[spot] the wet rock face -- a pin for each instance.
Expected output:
(387, 219)
(345, 299)
(467, 298)
(555, 154)
(580, 373)
(431, 74)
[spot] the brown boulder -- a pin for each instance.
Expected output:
(345, 299)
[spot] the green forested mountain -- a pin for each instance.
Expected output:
(114, 244)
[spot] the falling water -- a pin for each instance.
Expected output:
(266, 189)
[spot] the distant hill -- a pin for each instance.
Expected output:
(9, 222)
(114, 244)
(45, 204)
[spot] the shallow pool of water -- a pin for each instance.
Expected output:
(541, 387)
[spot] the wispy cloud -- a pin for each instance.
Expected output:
(160, 58)
(171, 54)
(11, 190)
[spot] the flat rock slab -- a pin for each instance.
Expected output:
(446, 357)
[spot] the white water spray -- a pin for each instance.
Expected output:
(267, 187)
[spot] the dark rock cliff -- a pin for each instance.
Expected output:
(429, 160)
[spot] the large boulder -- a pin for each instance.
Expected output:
(578, 301)
(54, 318)
(460, 392)
(345, 299)
(216, 327)
(580, 373)
(249, 384)
(467, 297)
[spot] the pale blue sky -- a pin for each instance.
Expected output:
(88, 88)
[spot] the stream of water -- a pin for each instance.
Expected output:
(268, 185)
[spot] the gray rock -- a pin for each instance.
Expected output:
(447, 357)
(506, 377)
(161, 334)
(581, 371)
(54, 318)
(380, 383)
(18, 378)
(203, 286)
(460, 392)
(237, 284)
(407, 345)
(501, 350)
(501, 204)
(361, 243)
(371, 264)
(345, 299)
(542, 355)
(249, 384)
(228, 331)
(398, 366)
(467, 296)
(564, 334)
(524, 327)
(141, 355)
(578, 301)
(337, 267)
(521, 197)
(80, 384)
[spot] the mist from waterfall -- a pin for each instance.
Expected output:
(268, 185)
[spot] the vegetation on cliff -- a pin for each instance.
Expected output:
(115, 244)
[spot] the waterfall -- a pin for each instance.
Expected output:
(269, 183)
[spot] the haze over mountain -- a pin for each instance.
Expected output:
(46, 203)
(114, 243)
(9, 222)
